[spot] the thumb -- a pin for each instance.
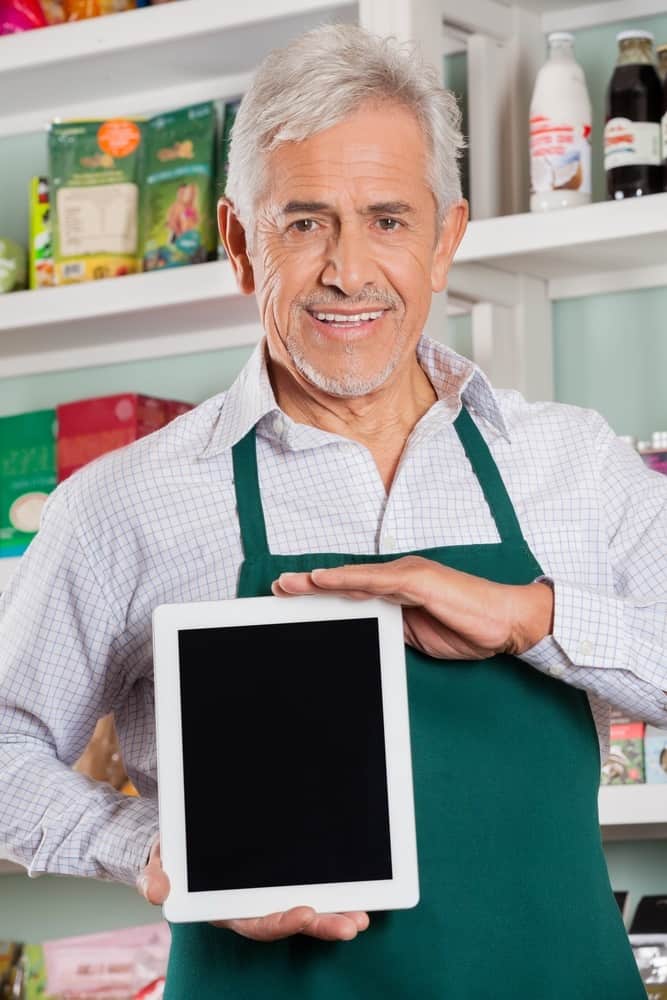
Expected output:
(153, 881)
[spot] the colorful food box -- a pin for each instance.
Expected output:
(178, 196)
(95, 170)
(27, 476)
(40, 250)
(655, 755)
(89, 428)
(625, 763)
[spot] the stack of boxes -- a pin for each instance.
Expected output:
(40, 449)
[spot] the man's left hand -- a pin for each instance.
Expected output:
(447, 614)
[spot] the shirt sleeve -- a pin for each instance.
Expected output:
(61, 653)
(615, 644)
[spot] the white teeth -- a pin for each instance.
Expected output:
(357, 318)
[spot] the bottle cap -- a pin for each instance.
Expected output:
(560, 36)
(622, 36)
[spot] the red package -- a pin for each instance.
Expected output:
(89, 428)
(20, 15)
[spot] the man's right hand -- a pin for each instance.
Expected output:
(153, 885)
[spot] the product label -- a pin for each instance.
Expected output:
(664, 136)
(560, 155)
(631, 144)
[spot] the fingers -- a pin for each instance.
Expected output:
(153, 881)
(299, 920)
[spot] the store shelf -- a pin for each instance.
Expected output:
(633, 812)
(145, 60)
(608, 246)
(7, 568)
(176, 311)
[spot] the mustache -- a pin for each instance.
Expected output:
(368, 299)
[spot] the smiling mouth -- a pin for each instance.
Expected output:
(357, 321)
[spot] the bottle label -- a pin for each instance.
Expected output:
(631, 144)
(664, 136)
(560, 156)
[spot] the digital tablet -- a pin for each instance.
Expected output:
(284, 766)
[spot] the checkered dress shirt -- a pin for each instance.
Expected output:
(156, 522)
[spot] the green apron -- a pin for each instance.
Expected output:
(515, 895)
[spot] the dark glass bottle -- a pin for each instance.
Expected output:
(632, 137)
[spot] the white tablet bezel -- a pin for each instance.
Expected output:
(401, 891)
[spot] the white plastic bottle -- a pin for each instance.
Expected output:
(560, 131)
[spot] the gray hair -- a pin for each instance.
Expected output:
(318, 80)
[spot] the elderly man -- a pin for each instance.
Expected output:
(353, 455)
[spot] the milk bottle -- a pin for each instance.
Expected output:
(560, 131)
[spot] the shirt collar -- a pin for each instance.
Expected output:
(250, 397)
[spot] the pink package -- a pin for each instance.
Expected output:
(114, 964)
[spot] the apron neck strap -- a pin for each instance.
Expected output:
(248, 498)
(249, 501)
(486, 470)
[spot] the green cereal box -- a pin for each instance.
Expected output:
(178, 197)
(40, 251)
(27, 476)
(229, 112)
(94, 170)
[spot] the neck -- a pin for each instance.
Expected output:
(385, 417)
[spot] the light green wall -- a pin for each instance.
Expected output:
(610, 354)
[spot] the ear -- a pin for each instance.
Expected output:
(233, 237)
(451, 234)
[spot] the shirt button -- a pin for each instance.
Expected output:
(586, 648)
(556, 669)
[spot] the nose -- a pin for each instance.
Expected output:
(349, 263)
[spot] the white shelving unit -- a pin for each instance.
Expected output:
(509, 267)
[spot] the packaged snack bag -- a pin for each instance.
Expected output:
(94, 170)
(178, 214)
(27, 476)
(13, 266)
(625, 763)
(40, 251)
(229, 112)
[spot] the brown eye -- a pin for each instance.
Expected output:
(303, 225)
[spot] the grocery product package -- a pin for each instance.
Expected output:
(126, 964)
(229, 112)
(655, 755)
(40, 250)
(20, 15)
(89, 428)
(27, 476)
(102, 759)
(13, 266)
(178, 196)
(625, 763)
(94, 171)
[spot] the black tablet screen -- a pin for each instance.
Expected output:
(284, 755)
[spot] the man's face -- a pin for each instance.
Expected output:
(347, 226)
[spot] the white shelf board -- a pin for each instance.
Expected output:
(179, 310)
(144, 59)
(7, 568)
(633, 812)
(605, 246)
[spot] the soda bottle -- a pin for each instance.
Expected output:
(560, 130)
(632, 136)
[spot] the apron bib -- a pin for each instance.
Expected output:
(515, 895)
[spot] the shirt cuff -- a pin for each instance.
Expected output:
(588, 631)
